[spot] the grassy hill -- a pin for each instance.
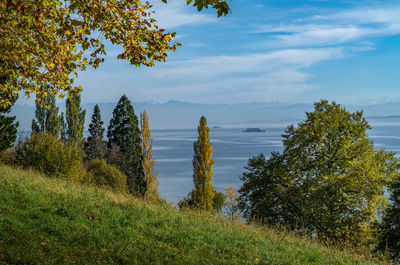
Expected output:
(52, 221)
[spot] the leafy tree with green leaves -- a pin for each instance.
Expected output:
(329, 182)
(47, 118)
(75, 121)
(388, 230)
(124, 133)
(95, 146)
(203, 196)
(45, 43)
(265, 195)
(8, 127)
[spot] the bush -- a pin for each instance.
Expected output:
(102, 174)
(47, 154)
(218, 202)
(7, 157)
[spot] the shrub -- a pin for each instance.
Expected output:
(47, 154)
(102, 174)
(218, 202)
(7, 156)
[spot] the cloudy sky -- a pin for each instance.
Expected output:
(265, 50)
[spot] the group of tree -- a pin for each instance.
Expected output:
(329, 182)
(128, 148)
(68, 127)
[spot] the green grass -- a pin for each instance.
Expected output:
(52, 221)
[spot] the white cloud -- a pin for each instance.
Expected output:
(345, 27)
(216, 79)
(277, 71)
(260, 63)
(177, 14)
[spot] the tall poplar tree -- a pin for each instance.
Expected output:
(124, 133)
(47, 118)
(95, 146)
(8, 129)
(149, 163)
(202, 196)
(75, 121)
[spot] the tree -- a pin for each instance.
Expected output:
(203, 193)
(150, 177)
(388, 231)
(329, 181)
(44, 43)
(231, 203)
(265, 195)
(8, 129)
(203, 196)
(124, 133)
(95, 146)
(47, 119)
(75, 121)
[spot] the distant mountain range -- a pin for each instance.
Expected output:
(178, 114)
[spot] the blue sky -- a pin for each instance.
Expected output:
(265, 50)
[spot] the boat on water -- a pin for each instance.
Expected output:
(254, 130)
(215, 127)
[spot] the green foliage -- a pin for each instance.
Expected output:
(329, 181)
(221, 6)
(218, 201)
(44, 42)
(189, 203)
(95, 146)
(47, 154)
(53, 221)
(388, 230)
(104, 175)
(8, 126)
(47, 119)
(124, 135)
(265, 196)
(75, 121)
(7, 157)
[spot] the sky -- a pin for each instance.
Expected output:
(264, 51)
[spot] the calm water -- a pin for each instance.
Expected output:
(173, 150)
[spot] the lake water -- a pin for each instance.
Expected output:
(173, 151)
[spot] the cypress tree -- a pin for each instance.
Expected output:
(75, 121)
(47, 119)
(8, 129)
(95, 146)
(123, 132)
(148, 161)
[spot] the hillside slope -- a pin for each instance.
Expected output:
(50, 221)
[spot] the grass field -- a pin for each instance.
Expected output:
(52, 221)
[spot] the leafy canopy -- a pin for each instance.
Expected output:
(329, 181)
(44, 43)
